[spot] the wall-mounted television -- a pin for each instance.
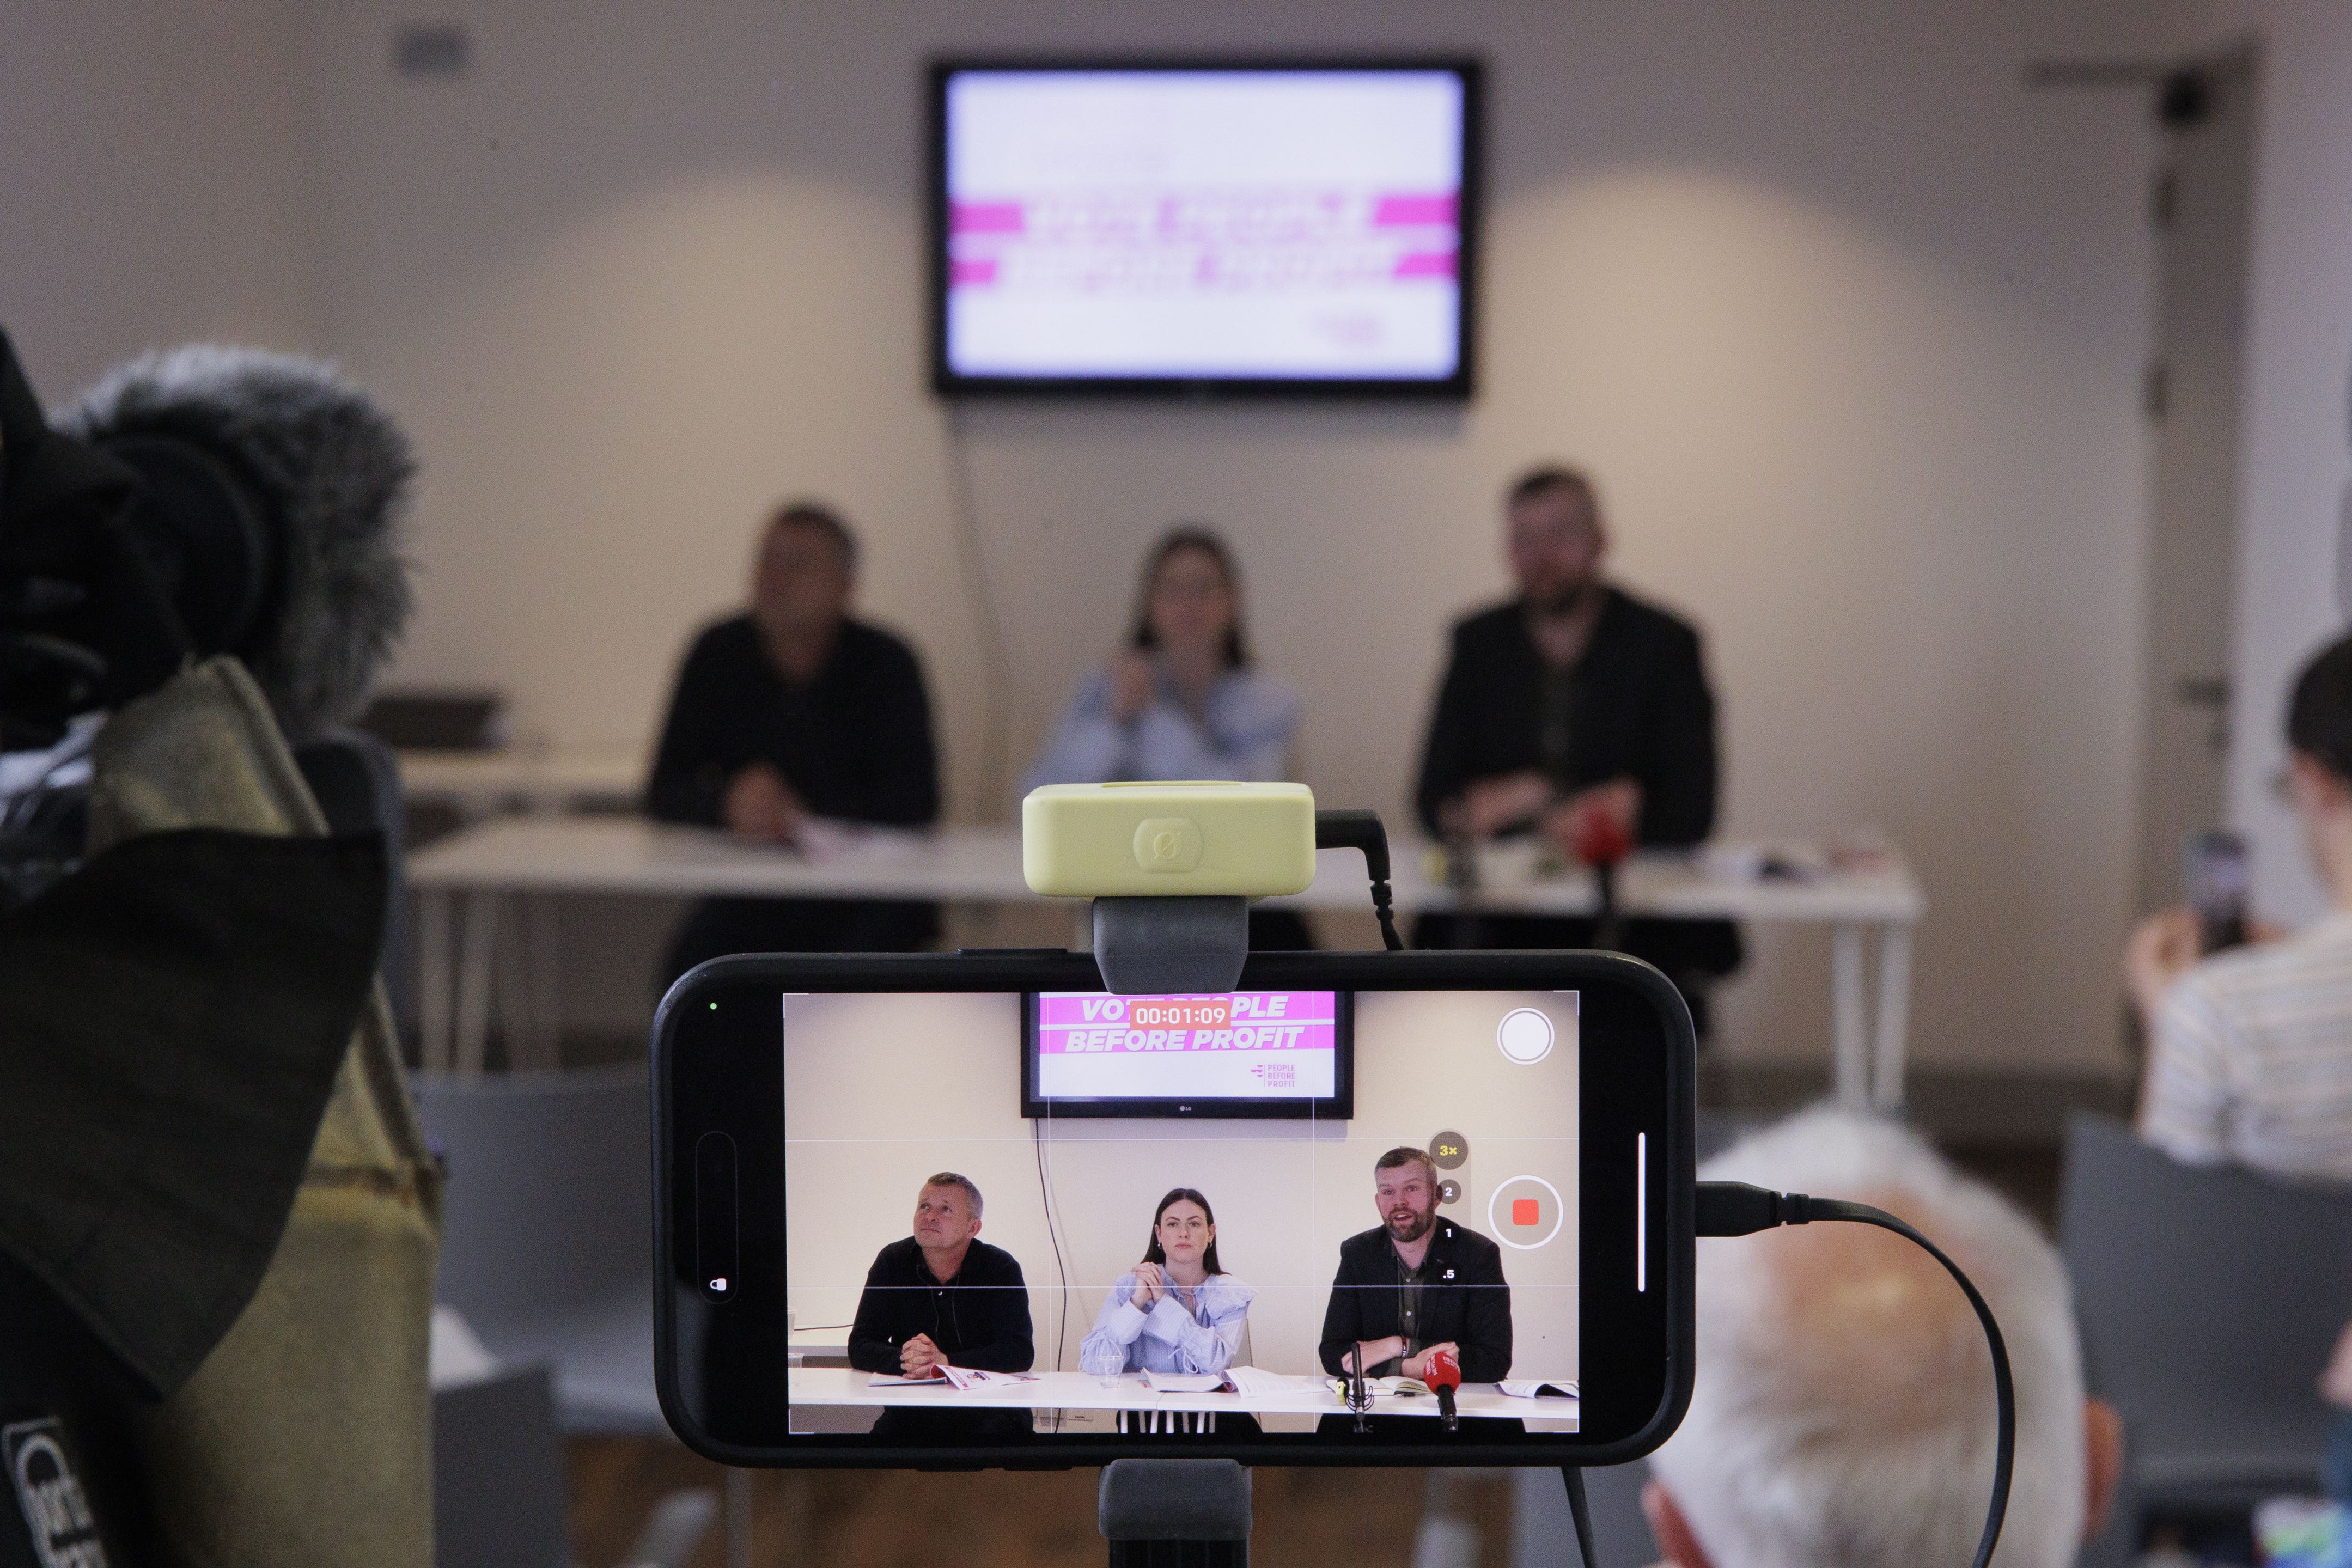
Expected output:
(1203, 228)
(1241, 1054)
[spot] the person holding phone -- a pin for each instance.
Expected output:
(1182, 699)
(1178, 1310)
(2249, 1051)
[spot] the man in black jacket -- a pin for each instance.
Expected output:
(789, 712)
(942, 1297)
(1574, 699)
(1416, 1283)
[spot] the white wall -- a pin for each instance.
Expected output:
(1848, 322)
(859, 1145)
(156, 181)
(2295, 493)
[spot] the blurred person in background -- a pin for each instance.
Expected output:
(1574, 699)
(2249, 1051)
(1182, 699)
(1844, 1415)
(788, 715)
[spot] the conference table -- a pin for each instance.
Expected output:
(1311, 1398)
(470, 887)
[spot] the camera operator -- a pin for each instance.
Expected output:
(219, 1220)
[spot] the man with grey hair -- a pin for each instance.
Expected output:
(942, 1297)
(1843, 1413)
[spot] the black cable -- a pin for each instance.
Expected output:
(1354, 829)
(1736, 1208)
(1580, 1513)
(1053, 1234)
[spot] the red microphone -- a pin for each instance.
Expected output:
(1601, 842)
(1443, 1373)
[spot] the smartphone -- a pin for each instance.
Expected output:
(2214, 872)
(858, 1157)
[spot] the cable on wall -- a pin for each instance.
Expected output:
(995, 650)
(1053, 1234)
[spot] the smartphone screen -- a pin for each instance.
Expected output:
(987, 1211)
(2215, 872)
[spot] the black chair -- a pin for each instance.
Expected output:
(545, 1228)
(499, 1493)
(2209, 1299)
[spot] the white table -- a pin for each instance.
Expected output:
(464, 880)
(1084, 1391)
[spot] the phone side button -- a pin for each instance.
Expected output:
(714, 1217)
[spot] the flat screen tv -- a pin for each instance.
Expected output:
(1204, 228)
(1238, 1055)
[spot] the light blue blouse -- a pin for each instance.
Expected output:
(1185, 1331)
(1246, 730)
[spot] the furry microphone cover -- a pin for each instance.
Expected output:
(328, 472)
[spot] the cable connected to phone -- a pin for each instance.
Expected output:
(1352, 828)
(1736, 1208)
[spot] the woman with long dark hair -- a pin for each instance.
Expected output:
(1182, 699)
(1177, 1310)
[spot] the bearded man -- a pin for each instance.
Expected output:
(1415, 1284)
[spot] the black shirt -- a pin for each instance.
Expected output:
(1464, 1299)
(1636, 705)
(854, 741)
(979, 1319)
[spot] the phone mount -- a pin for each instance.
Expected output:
(1172, 869)
(1159, 1512)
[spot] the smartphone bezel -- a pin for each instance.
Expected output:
(681, 1312)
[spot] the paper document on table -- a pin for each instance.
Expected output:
(951, 1377)
(1251, 1381)
(1534, 1388)
(971, 1377)
(1185, 1382)
(820, 840)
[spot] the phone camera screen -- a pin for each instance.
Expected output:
(1010, 1216)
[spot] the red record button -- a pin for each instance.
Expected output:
(1526, 1212)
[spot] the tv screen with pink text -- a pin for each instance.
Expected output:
(1237, 1053)
(1163, 224)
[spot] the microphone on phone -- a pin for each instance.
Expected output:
(1443, 1373)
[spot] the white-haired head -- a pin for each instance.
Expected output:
(1844, 1410)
